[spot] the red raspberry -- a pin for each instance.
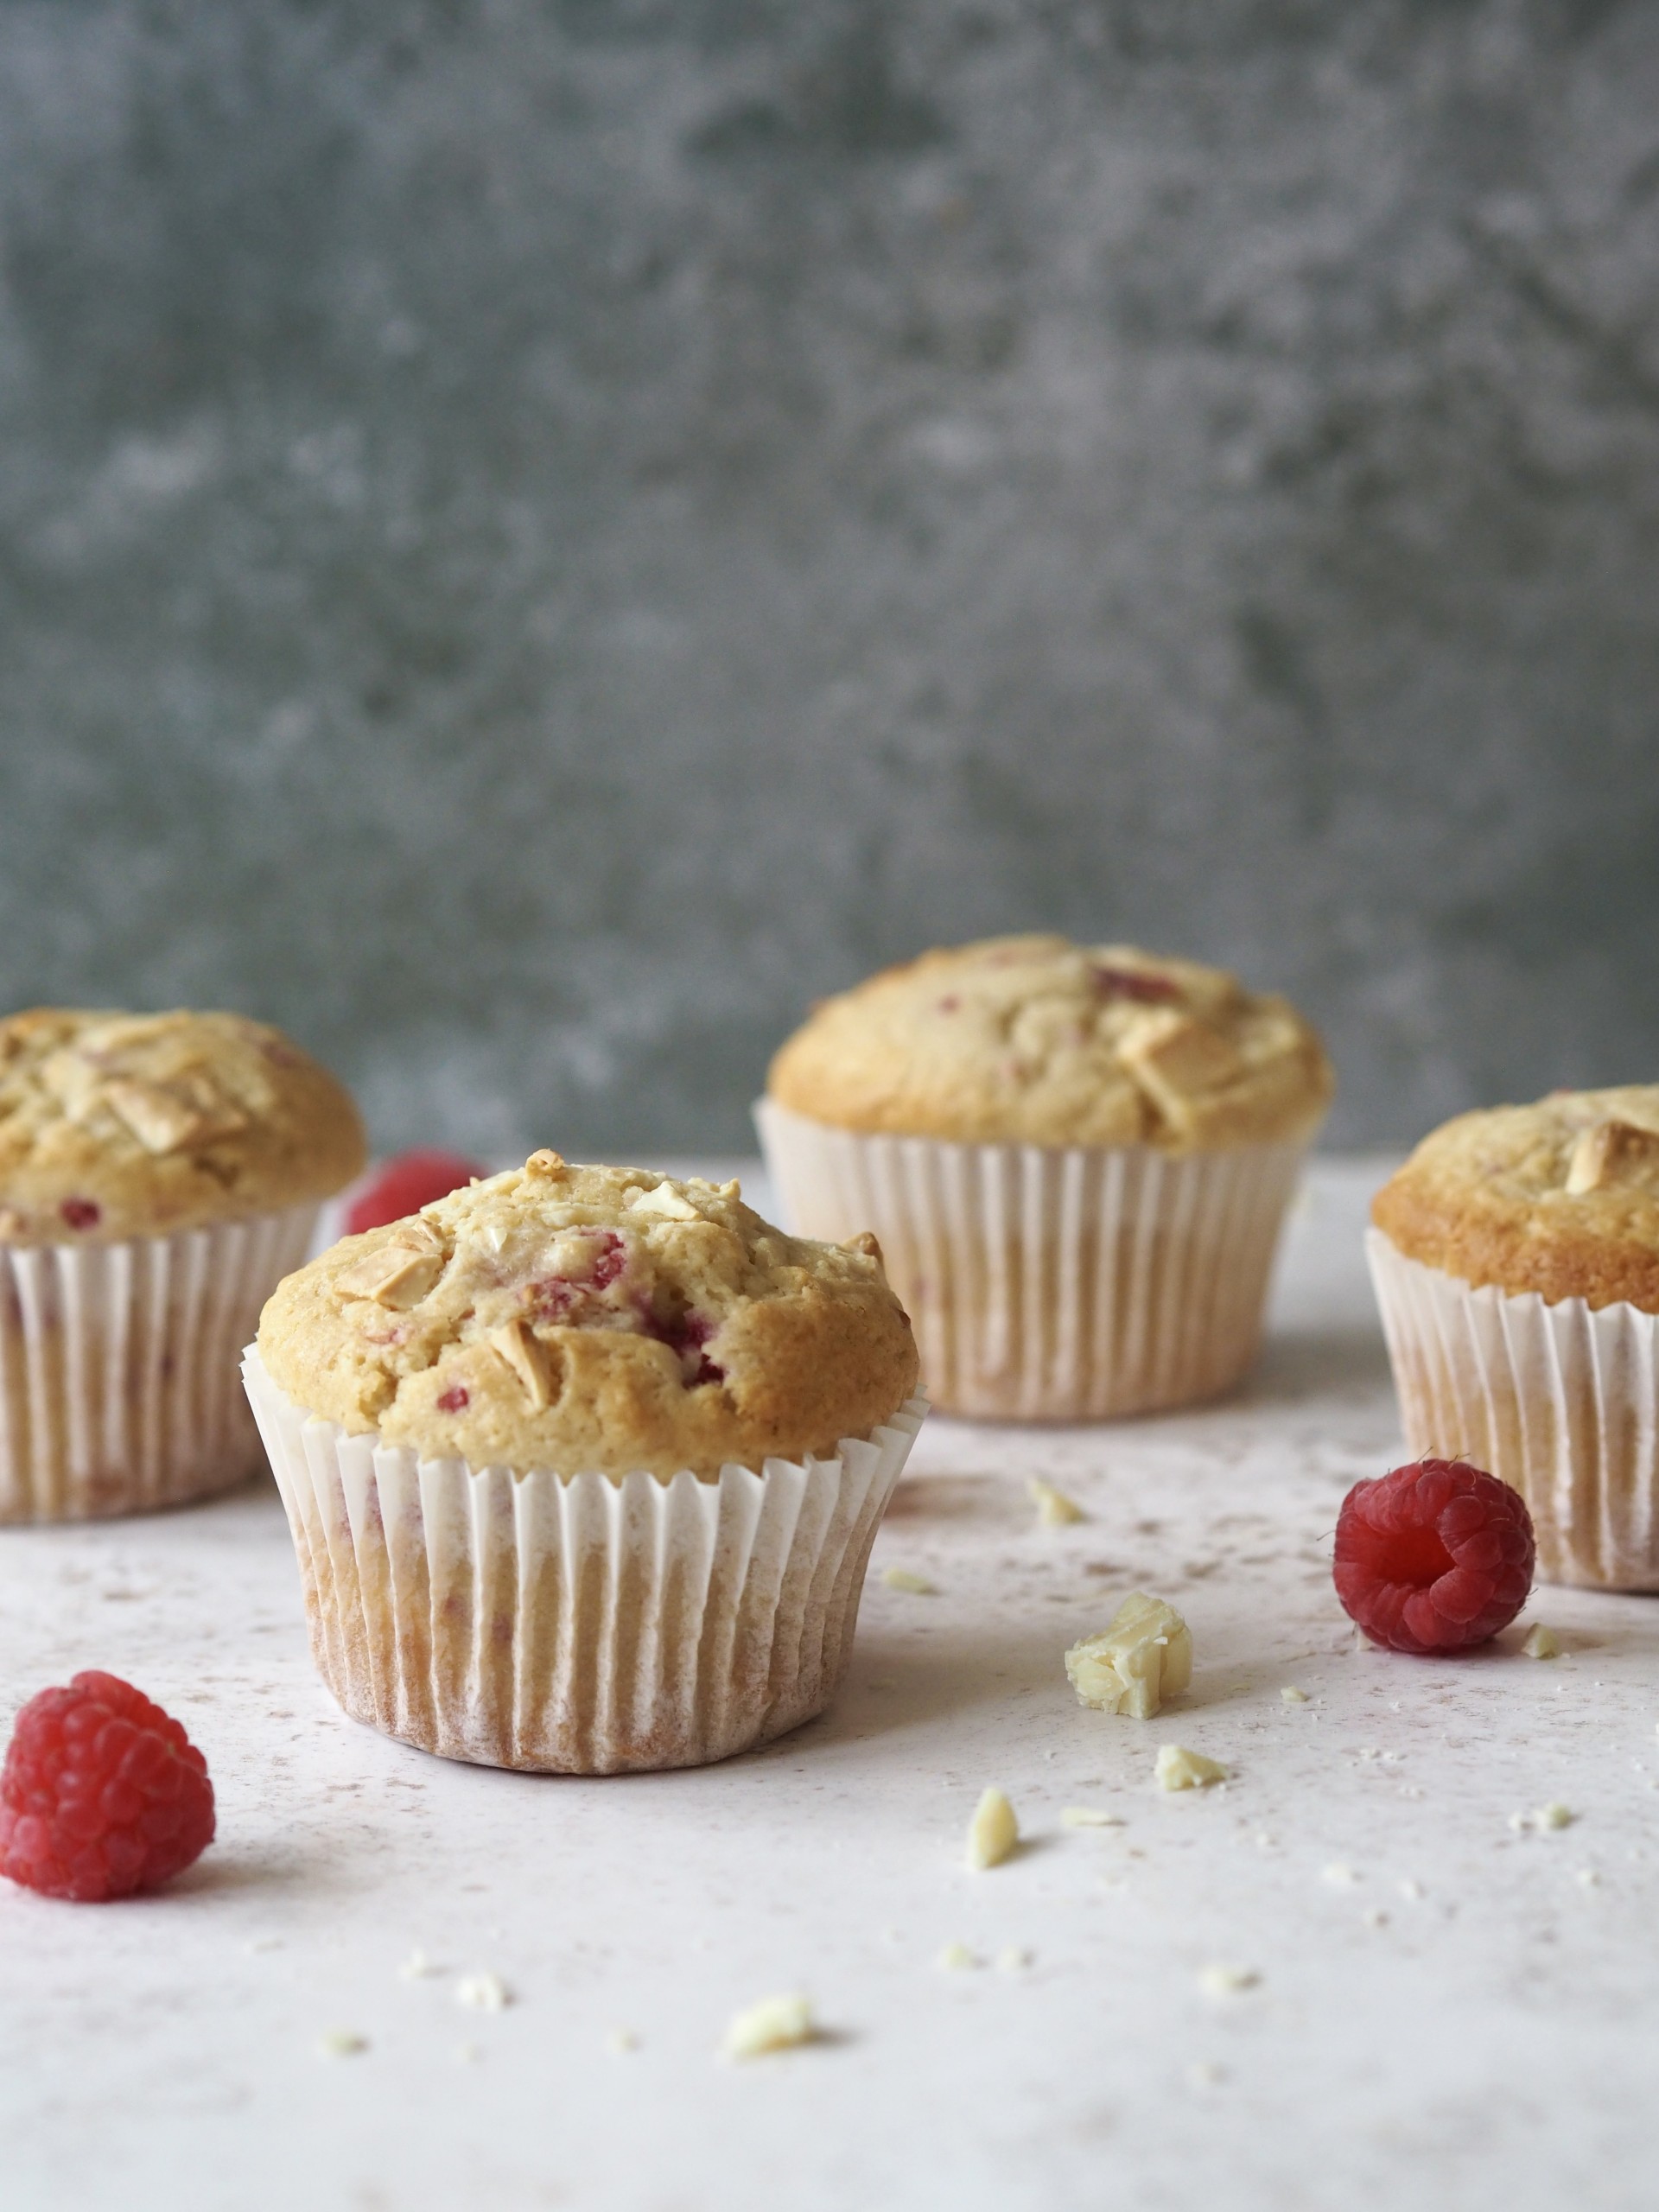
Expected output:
(101, 1794)
(406, 1184)
(1433, 1557)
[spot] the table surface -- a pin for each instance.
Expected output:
(1446, 2012)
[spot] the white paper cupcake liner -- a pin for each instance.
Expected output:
(1071, 1283)
(1562, 1402)
(580, 1624)
(118, 1383)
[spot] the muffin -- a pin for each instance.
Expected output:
(1077, 1159)
(159, 1175)
(1515, 1257)
(584, 1466)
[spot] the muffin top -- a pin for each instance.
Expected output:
(116, 1125)
(1562, 1197)
(1036, 1040)
(592, 1318)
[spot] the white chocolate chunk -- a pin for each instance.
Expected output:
(901, 1577)
(165, 1117)
(664, 1200)
(1291, 1696)
(1612, 1151)
(993, 1831)
(1541, 1642)
(527, 1357)
(340, 2043)
(1054, 1509)
(1227, 1981)
(485, 1992)
(775, 2023)
(1172, 1058)
(1179, 1769)
(397, 1273)
(1144, 1656)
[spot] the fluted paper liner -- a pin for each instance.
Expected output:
(1562, 1402)
(1062, 1283)
(576, 1623)
(119, 1389)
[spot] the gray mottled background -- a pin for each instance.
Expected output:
(538, 537)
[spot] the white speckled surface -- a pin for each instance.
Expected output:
(1483, 2044)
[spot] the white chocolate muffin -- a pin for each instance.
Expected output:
(597, 1319)
(1036, 1040)
(118, 1125)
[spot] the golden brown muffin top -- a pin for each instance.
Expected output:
(1562, 1197)
(115, 1125)
(1036, 1040)
(594, 1318)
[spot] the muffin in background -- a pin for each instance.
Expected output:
(1077, 1159)
(584, 1466)
(1516, 1258)
(159, 1175)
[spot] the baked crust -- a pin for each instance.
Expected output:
(116, 1125)
(1036, 1040)
(1560, 1197)
(594, 1318)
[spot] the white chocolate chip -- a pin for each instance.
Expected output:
(993, 1831)
(1179, 1769)
(665, 1200)
(1541, 1642)
(1054, 1509)
(1227, 1981)
(1291, 1696)
(1144, 1656)
(527, 1357)
(485, 1992)
(775, 2023)
(901, 1577)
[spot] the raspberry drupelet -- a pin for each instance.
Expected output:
(1433, 1557)
(102, 1794)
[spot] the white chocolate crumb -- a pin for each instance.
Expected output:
(1204, 2073)
(1339, 1876)
(468, 2054)
(775, 2023)
(1011, 1959)
(1291, 1696)
(265, 1943)
(1541, 1642)
(993, 1831)
(1373, 1917)
(1552, 1815)
(1054, 1509)
(1409, 1888)
(1179, 1769)
(1141, 1657)
(621, 2041)
(485, 1992)
(901, 1577)
(954, 1958)
(340, 2043)
(1589, 1878)
(417, 1967)
(1089, 1816)
(1227, 1981)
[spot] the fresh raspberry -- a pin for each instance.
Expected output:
(1435, 1556)
(102, 1794)
(406, 1184)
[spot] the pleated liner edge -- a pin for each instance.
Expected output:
(576, 1625)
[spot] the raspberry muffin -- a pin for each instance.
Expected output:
(1076, 1159)
(1515, 1257)
(584, 1466)
(159, 1175)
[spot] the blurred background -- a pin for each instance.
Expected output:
(538, 536)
